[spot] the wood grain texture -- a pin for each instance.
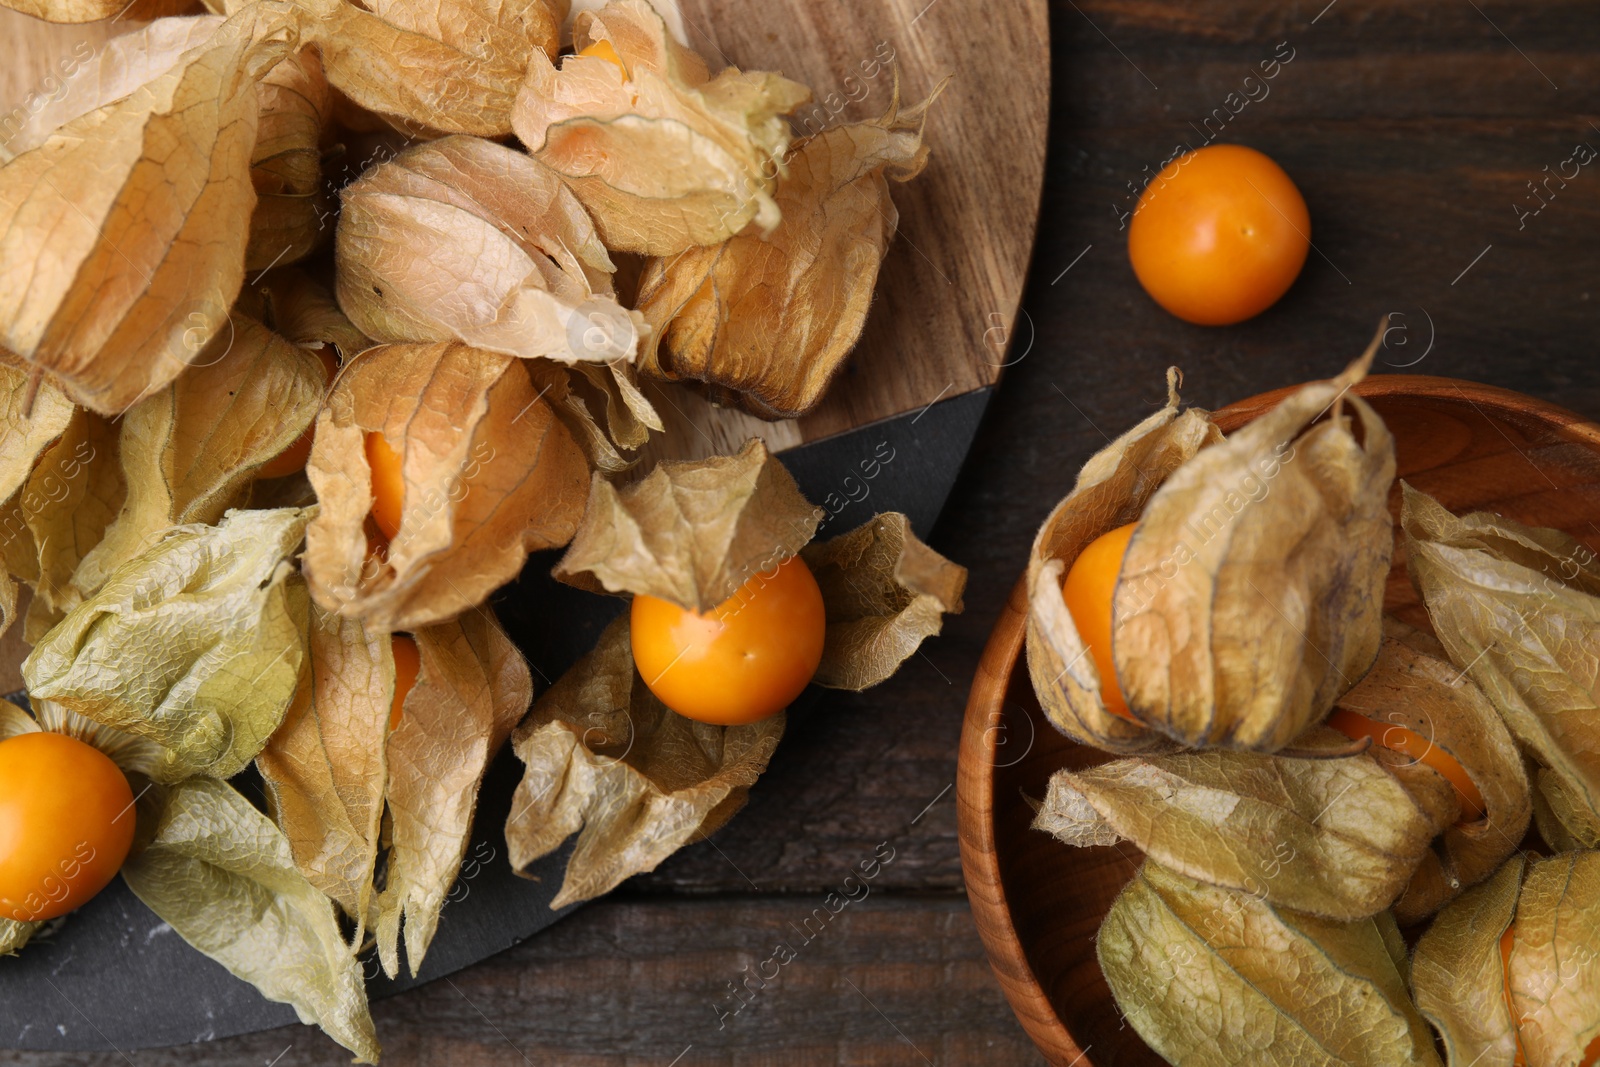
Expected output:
(953, 278)
(1037, 902)
(890, 982)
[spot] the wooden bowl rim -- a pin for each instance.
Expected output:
(975, 762)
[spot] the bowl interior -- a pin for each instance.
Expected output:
(1038, 903)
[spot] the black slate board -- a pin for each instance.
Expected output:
(114, 977)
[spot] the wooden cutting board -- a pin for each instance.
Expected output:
(941, 321)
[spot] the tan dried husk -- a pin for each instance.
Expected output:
(96, 10)
(194, 645)
(302, 310)
(1563, 820)
(221, 875)
(28, 438)
(691, 532)
(1212, 977)
(1112, 489)
(1457, 976)
(885, 592)
(71, 498)
(1273, 614)
(490, 475)
(110, 72)
(473, 688)
(189, 452)
(1518, 609)
(292, 214)
(473, 53)
(664, 156)
(766, 320)
(112, 298)
(1336, 837)
(597, 405)
(1414, 686)
(466, 240)
(1552, 976)
(324, 769)
(634, 779)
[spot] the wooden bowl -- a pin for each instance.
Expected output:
(1037, 902)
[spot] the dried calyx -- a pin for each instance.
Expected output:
(1249, 598)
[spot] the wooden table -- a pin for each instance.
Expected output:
(1412, 129)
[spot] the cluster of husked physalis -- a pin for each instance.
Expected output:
(302, 357)
(1306, 776)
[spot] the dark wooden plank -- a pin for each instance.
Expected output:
(887, 981)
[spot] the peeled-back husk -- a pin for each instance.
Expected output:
(1212, 977)
(1251, 594)
(473, 688)
(490, 474)
(691, 532)
(1112, 489)
(324, 770)
(885, 593)
(766, 320)
(1336, 837)
(1552, 975)
(635, 780)
(1457, 977)
(1414, 686)
(462, 239)
(1518, 609)
(663, 155)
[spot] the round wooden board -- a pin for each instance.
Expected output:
(932, 350)
(1038, 903)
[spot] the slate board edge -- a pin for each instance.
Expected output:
(120, 979)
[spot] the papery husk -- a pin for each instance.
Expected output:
(490, 475)
(466, 240)
(112, 71)
(1564, 821)
(473, 688)
(62, 512)
(1457, 976)
(574, 397)
(664, 156)
(1212, 977)
(691, 532)
(452, 66)
(1414, 686)
(324, 769)
(292, 215)
(885, 593)
(1334, 837)
(304, 311)
(766, 320)
(96, 10)
(113, 299)
(1518, 609)
(221, 875)
(189, 452)
(195, 644)
(1552, 975)
(636, 781)
(1251, 594)
(34, 417)
(1112, 490)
